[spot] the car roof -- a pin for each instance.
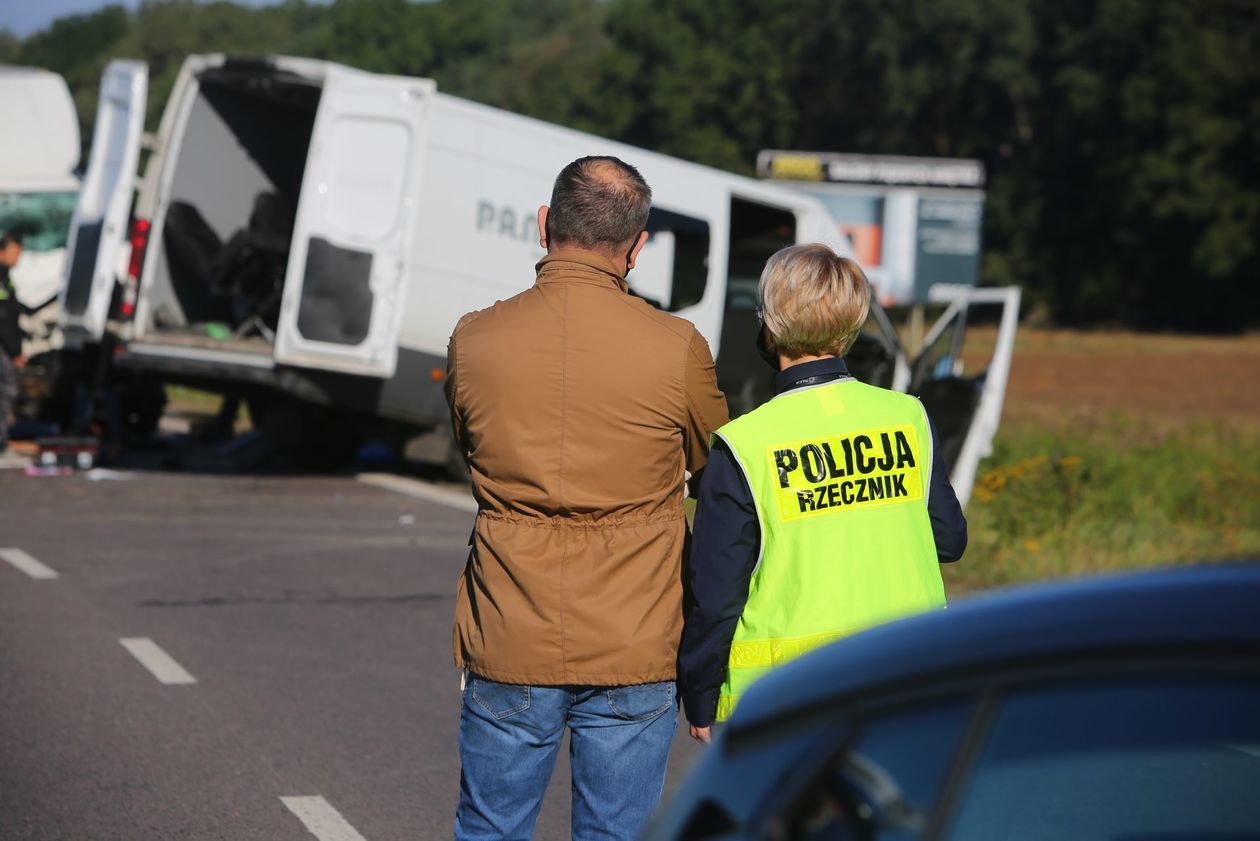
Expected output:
(1191, 608)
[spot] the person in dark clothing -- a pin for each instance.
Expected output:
(815, 543)
(11, 358)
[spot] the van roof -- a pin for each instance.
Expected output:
(750, 188)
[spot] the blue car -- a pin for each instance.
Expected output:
(1123, 708)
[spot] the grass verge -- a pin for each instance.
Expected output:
(1108, 493)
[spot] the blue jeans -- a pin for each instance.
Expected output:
(509, 737)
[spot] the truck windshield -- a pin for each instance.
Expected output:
(43, 219)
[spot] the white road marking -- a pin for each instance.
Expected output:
(157, 661)
(27, 564)
(321, 819)
(420, 490)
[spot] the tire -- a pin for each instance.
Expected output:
(315, 438)
(143, 404)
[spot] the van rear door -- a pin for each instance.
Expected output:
(342, 304)
(965, 407)
(99, 227)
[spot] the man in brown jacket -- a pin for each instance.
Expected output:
(579, 408)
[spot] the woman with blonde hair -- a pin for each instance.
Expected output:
(822, 512)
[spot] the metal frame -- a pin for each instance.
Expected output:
(984, 426)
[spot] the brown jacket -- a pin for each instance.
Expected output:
(579, 407)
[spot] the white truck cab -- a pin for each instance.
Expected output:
(311, 232)
(38, 182)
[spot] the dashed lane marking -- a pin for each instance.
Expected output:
(420, 490)
(321, 819)
(157, 661)
(23, 561)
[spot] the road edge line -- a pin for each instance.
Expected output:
(321, 819)
(419, 490)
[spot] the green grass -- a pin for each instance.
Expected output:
(191, 401)
(1108, 494)
(196, 404)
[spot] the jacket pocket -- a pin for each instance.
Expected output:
(642, 701)
(500, 699)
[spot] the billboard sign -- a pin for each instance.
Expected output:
(913, 222)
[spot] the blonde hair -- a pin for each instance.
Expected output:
(813, 301)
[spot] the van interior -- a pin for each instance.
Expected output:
(218, 271)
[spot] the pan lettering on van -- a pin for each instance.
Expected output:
(504, 221)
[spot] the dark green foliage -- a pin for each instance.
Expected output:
(1146, 160)
(1122, 137)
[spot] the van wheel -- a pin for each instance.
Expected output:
(143, 404)
(329, 440)
(315, 438)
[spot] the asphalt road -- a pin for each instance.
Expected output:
(298, 682)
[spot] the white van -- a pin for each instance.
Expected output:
(39, 153)
(306, 234)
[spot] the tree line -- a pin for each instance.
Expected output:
(1121, 137)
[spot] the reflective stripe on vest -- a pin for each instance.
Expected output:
(840, 474)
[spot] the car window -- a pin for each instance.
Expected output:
(1154, 760)
(886, 784)
(43, 219)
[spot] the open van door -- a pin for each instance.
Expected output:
(964, 408)
(98, 229)
(342, 304)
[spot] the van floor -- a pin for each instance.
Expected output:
(247, 344)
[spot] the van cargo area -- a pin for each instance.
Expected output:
(231, 197)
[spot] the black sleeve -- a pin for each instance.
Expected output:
(949, 526)
(10, 331)
(724, 548)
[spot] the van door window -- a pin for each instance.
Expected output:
(336, 294)
(672, 271)
(756, 232)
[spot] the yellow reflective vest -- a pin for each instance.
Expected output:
(839, 473)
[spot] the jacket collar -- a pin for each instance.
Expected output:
(573, 265)
(810, 373)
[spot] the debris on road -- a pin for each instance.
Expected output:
(102, 474)
(43, 470)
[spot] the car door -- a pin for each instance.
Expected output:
(342, 304)
(99, 226)
(965, 407)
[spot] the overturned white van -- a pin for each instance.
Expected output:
(307, 235)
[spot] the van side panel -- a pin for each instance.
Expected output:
(486, 173)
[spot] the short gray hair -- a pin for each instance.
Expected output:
(599, 203)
